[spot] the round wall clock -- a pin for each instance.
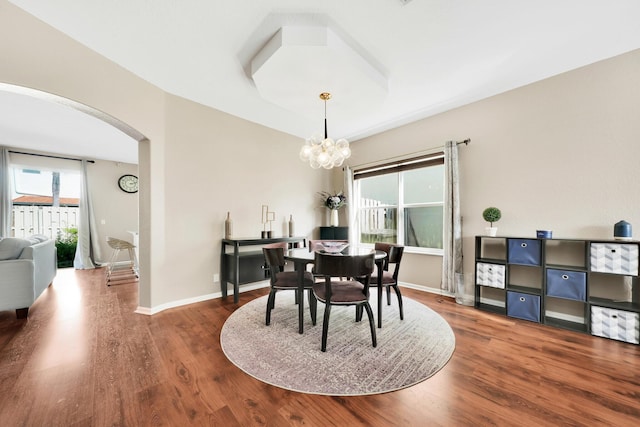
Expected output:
(128, 183)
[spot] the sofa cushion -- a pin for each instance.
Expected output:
(11, 247)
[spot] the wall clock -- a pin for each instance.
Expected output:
(128, 183)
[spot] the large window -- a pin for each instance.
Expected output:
(45, 202)
(402, 203)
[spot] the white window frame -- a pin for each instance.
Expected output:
(400, 207)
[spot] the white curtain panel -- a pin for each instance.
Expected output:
(88, 248)
(452, 262)
(351, 206)
(5, 194)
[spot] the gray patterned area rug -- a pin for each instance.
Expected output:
(408, 351)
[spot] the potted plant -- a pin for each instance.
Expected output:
(333, 202)
(491, 215)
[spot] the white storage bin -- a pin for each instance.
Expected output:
(615, 324)
(618, 258)
(492, 275)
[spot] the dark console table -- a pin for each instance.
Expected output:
(239, 267)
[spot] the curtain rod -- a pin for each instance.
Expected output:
(408, 155)
(50, 156)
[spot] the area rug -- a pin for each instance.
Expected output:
(408, 351)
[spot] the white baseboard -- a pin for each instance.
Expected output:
(193, 300)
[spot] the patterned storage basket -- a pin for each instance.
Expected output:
(618, 258)
(615, 324)
(492, 275)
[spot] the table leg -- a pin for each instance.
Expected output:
(380, 265)
(300, 270)
(236, 282)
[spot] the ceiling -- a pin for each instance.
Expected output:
(386, 62)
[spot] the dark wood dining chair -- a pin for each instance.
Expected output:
(285, 280)
(316, 245)
(390, 270)
(333, 291)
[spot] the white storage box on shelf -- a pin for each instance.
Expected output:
(615, 324)
(617, 258)
(492, 275)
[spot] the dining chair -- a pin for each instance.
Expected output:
(316, 245)
(333, 291)
(115, 271)
(285, 280)
(389, 274)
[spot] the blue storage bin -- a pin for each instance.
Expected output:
(523, 306)
(567, 284)
(524, 251)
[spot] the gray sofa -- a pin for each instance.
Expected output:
(27, 268)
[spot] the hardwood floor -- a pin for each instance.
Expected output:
(83, 358)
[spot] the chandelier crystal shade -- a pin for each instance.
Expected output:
(325, 153)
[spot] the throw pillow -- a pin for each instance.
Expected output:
(11, 247)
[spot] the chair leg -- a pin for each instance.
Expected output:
(112, 260)
(399, 295)
(388, 295)
(270, 303)
(372, 324)
(325, 326)
(358, 313)
(313, 306)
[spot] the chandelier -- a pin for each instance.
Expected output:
(326, 152)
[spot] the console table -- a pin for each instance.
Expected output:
(240, 267)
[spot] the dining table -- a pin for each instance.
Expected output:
(302, 257)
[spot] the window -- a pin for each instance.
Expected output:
(45, 202)
(402, 202)
(36, 182)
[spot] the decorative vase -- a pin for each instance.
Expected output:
(334, 217)
(491, 231)
(291, 226)
(228, 226)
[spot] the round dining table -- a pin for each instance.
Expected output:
(301, 257)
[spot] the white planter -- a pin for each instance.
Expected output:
(491, 231)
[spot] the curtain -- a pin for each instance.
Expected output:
(5, 193)
(351, 210)
(452, 262)
(88, 248)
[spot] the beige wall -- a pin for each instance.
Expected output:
(218, 164)
(117, 209)
(560, 154)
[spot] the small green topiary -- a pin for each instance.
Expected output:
(491, 215)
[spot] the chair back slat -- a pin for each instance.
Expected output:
(394, 256)
(344, 266)
(274, 257)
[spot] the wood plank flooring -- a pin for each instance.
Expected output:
(84, 358)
